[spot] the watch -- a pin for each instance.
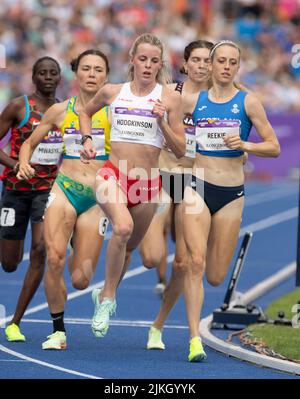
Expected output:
(85, 137)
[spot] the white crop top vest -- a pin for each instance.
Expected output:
(132, 118)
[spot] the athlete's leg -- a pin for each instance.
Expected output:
(142, 215)
(60, 218)
(14, 218)
(115, 207)
(11, 254)
(161, 269)
(36, 267)
(87, 245)
(130, 247)
(196, 227)
(222, 241)
(34, 273)
(152, 247)
(180, 266)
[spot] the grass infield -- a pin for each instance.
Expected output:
(284, 340)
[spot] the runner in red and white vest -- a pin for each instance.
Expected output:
(145, 112)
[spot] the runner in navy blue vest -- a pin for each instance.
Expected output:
(214, 198)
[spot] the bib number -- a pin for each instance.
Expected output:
(7, 217)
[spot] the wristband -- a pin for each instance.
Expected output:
(85, 137)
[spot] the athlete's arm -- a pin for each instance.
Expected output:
(48, 122)
(103, 97)
(172, 129)
(269, 147)
(8, 119)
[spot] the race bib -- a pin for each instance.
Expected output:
(134, 124)
(72, 139)
(103, 225)
(7, 217)
(210, 133)
(190, 141)
(49, 150)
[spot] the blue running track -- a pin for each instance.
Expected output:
(271, 212)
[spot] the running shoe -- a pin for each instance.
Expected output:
(154, 339)
(56, 341)
(102, 312)
(197, 353)
(13, 333)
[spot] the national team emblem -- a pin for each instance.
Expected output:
(235, 109)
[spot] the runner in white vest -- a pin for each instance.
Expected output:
(145, 112)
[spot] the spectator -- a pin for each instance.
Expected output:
(64, 28)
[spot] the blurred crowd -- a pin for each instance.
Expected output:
(266, 30)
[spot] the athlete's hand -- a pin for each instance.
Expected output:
(159, 111)
(88, 152)
(234, 142)
(25, 172)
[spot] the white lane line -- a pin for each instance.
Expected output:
(272, 195)
(46, 364)
(266, 285)
(271, 221)
(243, 354)
(118, 323)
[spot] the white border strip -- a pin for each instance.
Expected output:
(118, 323)
(243, 354)
(269, 283)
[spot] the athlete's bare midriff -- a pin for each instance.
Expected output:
(221, 171)
(78, 171)
(169, 163)
(136, 156)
